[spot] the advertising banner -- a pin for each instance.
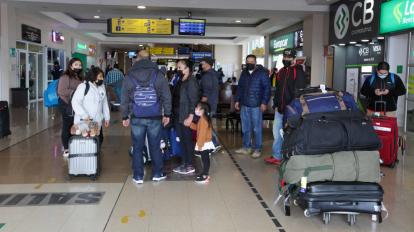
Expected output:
(278, 44)
(396, 15)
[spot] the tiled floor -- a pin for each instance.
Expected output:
(239, 197)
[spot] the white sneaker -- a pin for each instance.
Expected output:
(138, 181)
(65, 154)
(243, 151)
(256, 154)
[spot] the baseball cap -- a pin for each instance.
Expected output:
(289, 52)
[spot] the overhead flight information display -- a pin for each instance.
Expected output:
(140, 26)
(189, 26)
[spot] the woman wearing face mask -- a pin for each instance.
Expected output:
(90, 102)
(185, 96)
(382, 90)
(68, 83)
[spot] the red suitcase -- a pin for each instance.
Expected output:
(387, 130)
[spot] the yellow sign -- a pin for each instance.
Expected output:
(140, 26)
(162, 51)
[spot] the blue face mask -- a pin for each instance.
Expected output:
(382, 76)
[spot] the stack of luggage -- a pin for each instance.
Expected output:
(332, 163)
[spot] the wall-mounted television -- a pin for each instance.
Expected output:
(189, 26)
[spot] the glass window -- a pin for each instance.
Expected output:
(35, 48)
(21, 45)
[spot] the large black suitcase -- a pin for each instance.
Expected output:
(346, 197)
(321, 133)
(4, 119)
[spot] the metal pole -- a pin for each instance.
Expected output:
(407, 82)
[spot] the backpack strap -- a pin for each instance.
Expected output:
(371, 81)
(87, 88)
(294, 73)
(392, 75)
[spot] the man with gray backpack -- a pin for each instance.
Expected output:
(146, 105)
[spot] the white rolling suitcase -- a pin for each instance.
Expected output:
(84, 156)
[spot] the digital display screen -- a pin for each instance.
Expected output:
(192, 27)
(200, 55)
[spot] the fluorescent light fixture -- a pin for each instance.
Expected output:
(168, 19)
(372, 43)
(365, 40)
(381, 37)
(141, 45)
(352, 42)
(238, 21)
(358, 45)
(142, 7)
(341, 44)
(97, 17)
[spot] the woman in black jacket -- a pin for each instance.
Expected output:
(382, 90)
(186, 95)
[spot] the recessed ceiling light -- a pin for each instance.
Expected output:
(168, 19)
(97, 17)
(372, 43)
(238, 21)
(141, 45)
(342, 44)
(381, 37)
(365, 40)
(352, 42)
(141, 7)
(358, 45)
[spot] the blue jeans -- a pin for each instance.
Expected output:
(152, 129)
(252, 119)
(278, 140)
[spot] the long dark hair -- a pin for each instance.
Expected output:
(69, 72)
(207, 112)
(93, 73)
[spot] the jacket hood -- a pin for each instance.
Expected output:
(142, 70)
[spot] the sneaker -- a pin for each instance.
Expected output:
(273, 160)
(159, 177)
(243, 151)
(202, 179)
(256, 154)
(187, 170)
(138, 180)
(179, 168)
(217, 149)
(65, 154)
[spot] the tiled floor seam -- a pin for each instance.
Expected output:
(269, 212)
(116, 203)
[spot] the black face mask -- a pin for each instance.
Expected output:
(287, 63)
(180, 73)
(250, 67)
(77, 70)
(99, 82)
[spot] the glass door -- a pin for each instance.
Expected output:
(410, 88)
(40, 79)
(21, 72)
(32, 80)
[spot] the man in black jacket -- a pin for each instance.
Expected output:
(146, 116)
(289, 79)
(382, 90)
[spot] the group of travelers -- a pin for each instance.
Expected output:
(151, 99)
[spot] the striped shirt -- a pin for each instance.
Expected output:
(114, 76)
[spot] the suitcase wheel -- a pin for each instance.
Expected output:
(307, 213)
(287, 210)
(295, 202)
(93, 178)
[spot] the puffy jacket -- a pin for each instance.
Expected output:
(210, 88)
(93, 105)
(395, 87)
(253, 89)
(288, 80)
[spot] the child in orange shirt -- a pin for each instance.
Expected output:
(204, 144)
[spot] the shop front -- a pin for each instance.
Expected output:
(80, 50)
(397, 25)
(358, 48)
(280, 43)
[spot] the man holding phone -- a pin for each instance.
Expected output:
(382, 90)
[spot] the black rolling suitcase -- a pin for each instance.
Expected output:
(348, 198)
(4, 119)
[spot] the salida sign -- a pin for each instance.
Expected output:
(353, 20)
(397, 15)
(44, 199)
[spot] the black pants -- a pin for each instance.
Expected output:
(67, 123)
(186, 142)
(205, 158)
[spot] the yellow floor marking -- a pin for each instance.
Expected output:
(141, 214)
(38, 186)
(124, 219)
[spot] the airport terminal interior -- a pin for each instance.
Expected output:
(336, 45)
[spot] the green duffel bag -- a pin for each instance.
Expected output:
(362, 166)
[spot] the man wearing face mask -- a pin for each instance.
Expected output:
(253, 94)
(289, 79)
(382, 90)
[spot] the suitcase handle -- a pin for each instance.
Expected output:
(346, 203)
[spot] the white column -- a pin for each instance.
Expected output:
(4, 53)
(316, 33)
(267, 49)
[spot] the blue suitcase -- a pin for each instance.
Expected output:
(320, 102)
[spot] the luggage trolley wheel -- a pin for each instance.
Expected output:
(351, 219)
(307, 213)
(326, 218)
(295, 202)
(93, 177)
